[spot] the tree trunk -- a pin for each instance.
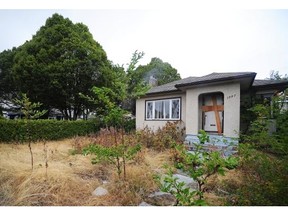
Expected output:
(31, 153)
(29, 144)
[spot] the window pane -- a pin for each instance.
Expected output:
(163, 109)
(159, 110)
(167, 109)
(175, 109)
(149, 110)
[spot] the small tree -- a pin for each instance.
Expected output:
(119, 152)
(199, 165)
(117, 155)
(30, 111)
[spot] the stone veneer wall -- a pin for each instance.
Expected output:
(226, 145)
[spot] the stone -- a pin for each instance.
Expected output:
(189, 182)
(99, 191)
(144, 204)
(161, 199)
(105, 182)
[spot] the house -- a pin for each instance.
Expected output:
(210, 103)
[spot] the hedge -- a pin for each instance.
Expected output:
(22, 131)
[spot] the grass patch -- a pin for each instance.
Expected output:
(71, 179)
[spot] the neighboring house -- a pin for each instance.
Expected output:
(210, 103)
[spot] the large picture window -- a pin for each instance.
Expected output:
(168, 109)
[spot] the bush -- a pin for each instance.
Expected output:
(263, 162)
(265, 179)
(166, 137)
(17, 130)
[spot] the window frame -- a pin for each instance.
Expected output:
(163, 100)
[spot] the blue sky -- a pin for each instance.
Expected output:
(194, 41)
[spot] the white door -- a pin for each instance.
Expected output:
(210, 121)
(209, 118)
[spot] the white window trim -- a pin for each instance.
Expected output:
(164, 114)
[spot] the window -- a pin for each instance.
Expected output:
(168, 109)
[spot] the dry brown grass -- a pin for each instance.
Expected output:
(216, 186)
(71, 179)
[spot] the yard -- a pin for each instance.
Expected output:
(70, 178)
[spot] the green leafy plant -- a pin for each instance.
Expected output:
(118, 155)
(262, 162)
(199, 165)
(184, 195)
(30, 111)
(265, 179)
(48, 129)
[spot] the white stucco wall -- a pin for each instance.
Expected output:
(155, 124)
(231, 93)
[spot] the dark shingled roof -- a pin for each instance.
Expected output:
(213, 77)
(278, 85)
(169, 87)
(268, 82)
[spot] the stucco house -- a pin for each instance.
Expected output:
(210, 103)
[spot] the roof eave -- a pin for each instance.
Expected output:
(162, 92)
(252, 75)
(276, 86)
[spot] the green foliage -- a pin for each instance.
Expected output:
(162, 71)
(16, 130)
(231, 162)
(281, 133)
(259, 135)
(137, 78)
(7, 86)
(258, 132)
(184, 195)
(129, 125)
(265, 179)
(59, 62)
(263, 161)
(200, 165)
(203, 137)
(107, 110)
(103, 99)
(29, 109)
(115, 117)
(274, 75)
(135, 85)
(117, 155)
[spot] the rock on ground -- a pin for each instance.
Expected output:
(189, 182)
(144, 204)
(99, 191)
(161, 199)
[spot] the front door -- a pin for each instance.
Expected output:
(212, 113)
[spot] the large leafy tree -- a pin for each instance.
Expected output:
(163, 72)
(61, 61)
(7, 87)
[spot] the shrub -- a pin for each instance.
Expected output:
(15, 130)
(265, 179)
(166, 137)
(263, 162)
(199, 165)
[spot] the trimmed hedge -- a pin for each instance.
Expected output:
(44, 129)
